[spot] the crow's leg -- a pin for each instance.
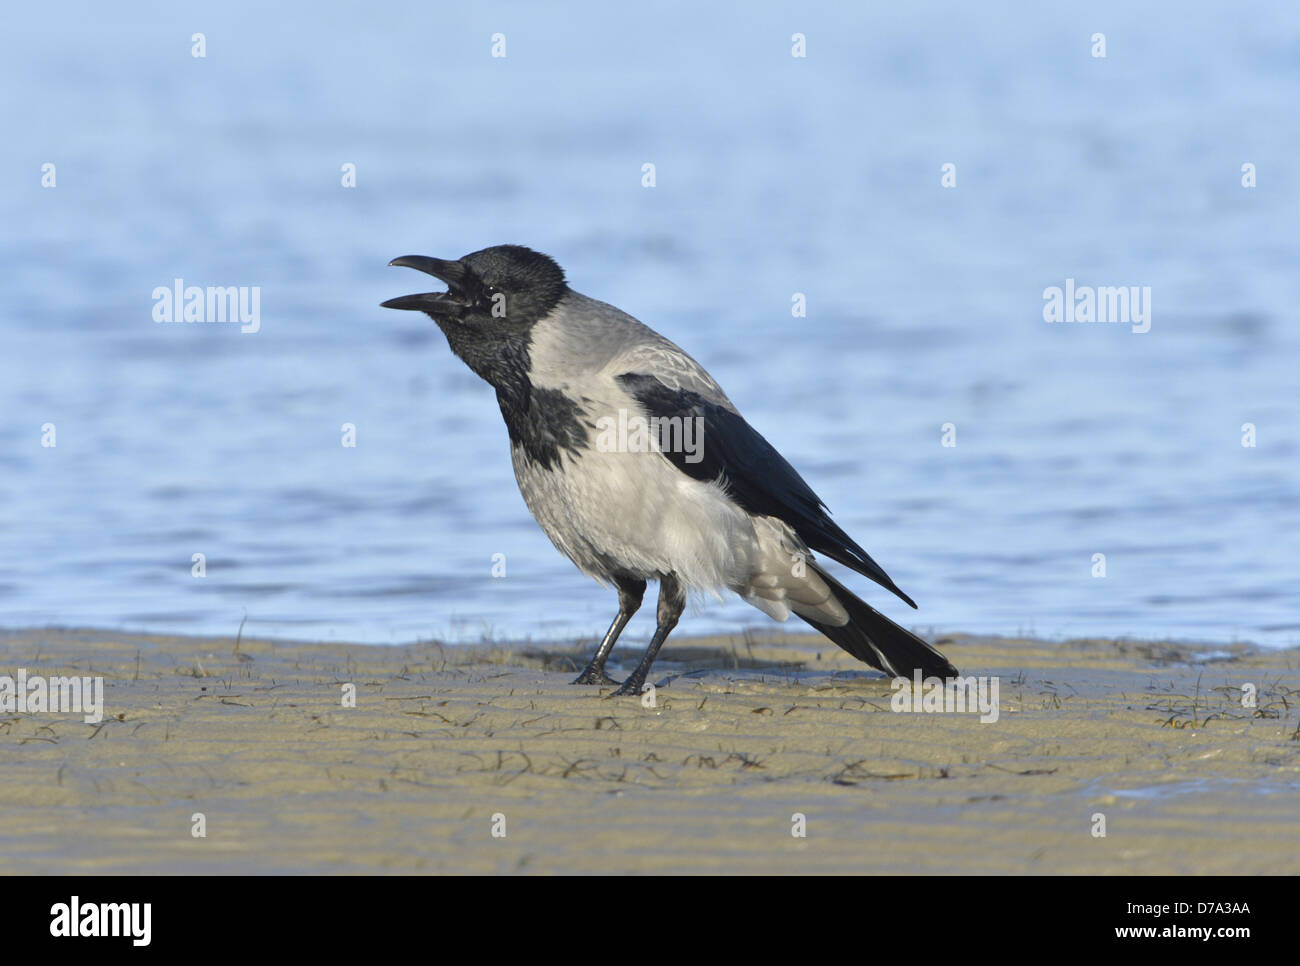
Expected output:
(672, 601)
(630, 592)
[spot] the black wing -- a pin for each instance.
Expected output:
(755, 474)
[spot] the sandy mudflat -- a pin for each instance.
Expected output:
(1154, 737)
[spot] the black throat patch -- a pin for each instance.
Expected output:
(545, 423)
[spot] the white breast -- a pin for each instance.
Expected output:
(637, 514)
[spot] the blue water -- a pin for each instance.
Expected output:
(775, 175)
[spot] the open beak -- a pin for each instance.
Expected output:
(461, 286)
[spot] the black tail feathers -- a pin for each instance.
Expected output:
(872, 637)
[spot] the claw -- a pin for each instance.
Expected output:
(593, 676)
(629, 687)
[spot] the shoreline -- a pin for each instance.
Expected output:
(448, 744)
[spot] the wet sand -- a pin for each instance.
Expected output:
(446, 744)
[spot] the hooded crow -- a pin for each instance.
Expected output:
(638, 467)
